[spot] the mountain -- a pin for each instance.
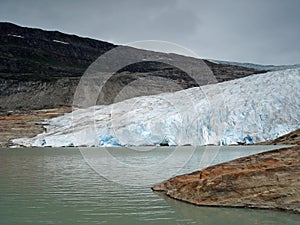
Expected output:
(247, 110)
(41, 69)
(257, 66)
(29, 54)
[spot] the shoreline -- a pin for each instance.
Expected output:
(19, 124)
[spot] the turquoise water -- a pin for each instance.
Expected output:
(58, 186)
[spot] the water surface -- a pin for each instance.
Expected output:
(57, 186)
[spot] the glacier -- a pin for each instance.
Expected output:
(249, 110)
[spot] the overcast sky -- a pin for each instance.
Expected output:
(259, 31)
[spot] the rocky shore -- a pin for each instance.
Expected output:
(269, 180)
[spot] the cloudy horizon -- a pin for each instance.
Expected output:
(258, 31)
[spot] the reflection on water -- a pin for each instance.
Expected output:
(57, 186)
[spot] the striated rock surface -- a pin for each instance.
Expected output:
(266, 180)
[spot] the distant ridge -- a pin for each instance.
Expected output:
(256, 66)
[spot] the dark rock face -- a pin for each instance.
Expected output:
(41, 69)
(266, 180)
(34, 54)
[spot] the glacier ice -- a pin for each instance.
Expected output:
(251, 109)
(108, 141)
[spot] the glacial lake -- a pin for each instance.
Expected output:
(65, 186)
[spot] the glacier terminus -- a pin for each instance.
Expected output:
(248, 110)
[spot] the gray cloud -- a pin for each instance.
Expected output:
(261, 31)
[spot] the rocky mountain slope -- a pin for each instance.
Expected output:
(266, 180)
(41, 69)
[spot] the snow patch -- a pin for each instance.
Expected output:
(61, 42)
(15, 35)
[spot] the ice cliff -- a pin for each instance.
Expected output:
(252, 109)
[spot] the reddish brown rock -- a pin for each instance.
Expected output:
(266, 180)
(20, 124)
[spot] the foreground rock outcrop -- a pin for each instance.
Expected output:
(266, 180)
